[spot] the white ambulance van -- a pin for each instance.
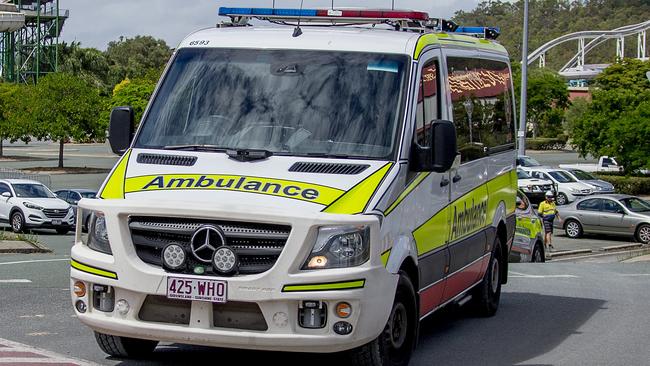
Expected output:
(306, 187)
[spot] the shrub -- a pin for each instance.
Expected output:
(628, 185)
(544, 143)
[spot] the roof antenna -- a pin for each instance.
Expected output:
(297, 32)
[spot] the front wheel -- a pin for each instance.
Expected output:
(124, 347)
(573, 229)
(538, 254)
(17, 222)
(562, 199)
(396, 342)
(643, 234)
(486, 296)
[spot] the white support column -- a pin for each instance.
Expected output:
(641, 46)
(620, 48)
(542, 60)
(581, 53)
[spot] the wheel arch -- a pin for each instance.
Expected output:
(499, 221)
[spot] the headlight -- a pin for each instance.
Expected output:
(526, 188)
(32, 206)
(574, 190)
(340, 246)
(97, 238)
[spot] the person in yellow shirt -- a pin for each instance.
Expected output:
(548, 212)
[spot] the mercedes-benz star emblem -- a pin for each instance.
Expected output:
(205, 242)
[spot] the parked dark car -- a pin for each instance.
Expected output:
(73, 196)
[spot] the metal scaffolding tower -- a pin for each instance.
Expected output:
(32, 51)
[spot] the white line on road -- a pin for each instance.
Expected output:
(634, 274)
(36, 261)
(52, 357)
(524, 275)
(21, 280)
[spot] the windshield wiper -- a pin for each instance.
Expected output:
(195, 148)
(326, 155)
(248, 154)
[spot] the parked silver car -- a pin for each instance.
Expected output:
(615, 214)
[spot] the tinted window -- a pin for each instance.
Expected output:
(4, 188)
(74, 196)
(562, 177)
(481, 93)
(590, 205)
(62, 195)
(428, 105)
(611, 206)
(88, 194)
(522, 175)
(636, 205)
(528, 161)
(290, 102)
(582, 175)
(522, 201)
(607, 161)
(32, 191)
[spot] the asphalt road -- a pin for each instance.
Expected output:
(551, 314)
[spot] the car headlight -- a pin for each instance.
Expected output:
(340, 246)
(32, 206)
(574, 190)
(526, 188)
(97, 238)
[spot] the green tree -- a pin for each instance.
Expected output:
(627, 74)
(548, 97)
(89, 64)
(134, 93)
(66, 107)
(15, 109)
(136, 57)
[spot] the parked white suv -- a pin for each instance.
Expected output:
(568, 188)
(29, 204)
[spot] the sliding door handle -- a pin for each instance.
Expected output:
(456, 178)
(444, 182)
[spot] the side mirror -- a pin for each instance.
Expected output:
(121, 129)
(440, 156)
(6, 194)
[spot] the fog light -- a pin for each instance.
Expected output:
(122, 307)
(173, 256)
(79, 289)
(343, 310)
(281, 319)
(80, 306)
(317, 262)
(224, 261)
(342, 328)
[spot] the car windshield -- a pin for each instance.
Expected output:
(523, 175)
(88, 194)
(561, 177)
(636, 205)
(582, 175)
(32, 191)
(289, 102)
(527, 161)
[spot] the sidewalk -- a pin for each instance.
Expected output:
(592, 244)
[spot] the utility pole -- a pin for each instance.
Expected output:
(523, 110)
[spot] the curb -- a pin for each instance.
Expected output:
(622, 247)
(565, 253)
(35, 248)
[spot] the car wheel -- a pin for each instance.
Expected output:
(396, 342)
(562, 199)
(643, 234)
(17, 222)
(486, 296)
(124, 347)
(538, 254)
(573, 229)
(62, 231)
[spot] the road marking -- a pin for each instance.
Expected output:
(634, 274)
(22, 280)
(14, 353)
(524, 275)
(36, 261)
(32, 316)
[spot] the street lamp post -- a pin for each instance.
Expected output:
(524, 85)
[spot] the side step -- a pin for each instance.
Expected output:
(464, 300)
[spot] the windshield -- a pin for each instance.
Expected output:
(636, 205)
(582, 175)
(527, 161)
(561, 177)
(523, 175)
(285, 101)
(32, 191)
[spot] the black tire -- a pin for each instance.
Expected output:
(62, 231)
(486, 296)
(124, 347)
(395, 345)
(538, 255)
(562, 199)
(573, 229)
(643, 233)
(17, 222)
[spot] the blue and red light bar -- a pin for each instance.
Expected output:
(325, 13)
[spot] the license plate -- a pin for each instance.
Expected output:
(57, 222)
(197, 289)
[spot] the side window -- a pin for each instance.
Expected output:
(74, 196)
(428, 108)
(612, 207)
(4, 188)
(590, 205)
(481, 94)
(63, 195)
(522, 202)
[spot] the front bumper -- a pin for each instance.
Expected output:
(135, 280)
(38, 219)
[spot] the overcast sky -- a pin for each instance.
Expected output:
(94, 23)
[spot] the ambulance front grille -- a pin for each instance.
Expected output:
(258, 246)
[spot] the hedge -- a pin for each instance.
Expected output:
(546, 143)
(628, 185)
